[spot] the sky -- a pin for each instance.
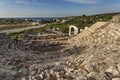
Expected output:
(56, 8)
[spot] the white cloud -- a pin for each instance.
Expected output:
(84, 1)
(22, 2)
(29, 2)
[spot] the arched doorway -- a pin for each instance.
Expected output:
(73, 30)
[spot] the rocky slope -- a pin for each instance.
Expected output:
(95, 56)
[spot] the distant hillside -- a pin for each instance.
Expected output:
(81, 21)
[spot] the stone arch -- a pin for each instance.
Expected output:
(73, 30)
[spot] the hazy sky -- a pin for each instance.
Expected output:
(47, 8)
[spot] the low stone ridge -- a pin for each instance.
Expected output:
(95, 55)
(116, 18)
(74, 41)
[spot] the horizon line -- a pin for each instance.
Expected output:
(61, 16)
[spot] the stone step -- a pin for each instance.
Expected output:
(116, 33)
(116, 28)
(84, 34)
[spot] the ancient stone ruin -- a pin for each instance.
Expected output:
(86, 33)
(93, 54)
(73, 30)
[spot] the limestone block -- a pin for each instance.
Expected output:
(89, 32)
(86, 28)
(118, 67)
(116, 18)
(81, 30)
(85, 34)
(116, 79)
(113, 70)
(96, 76)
